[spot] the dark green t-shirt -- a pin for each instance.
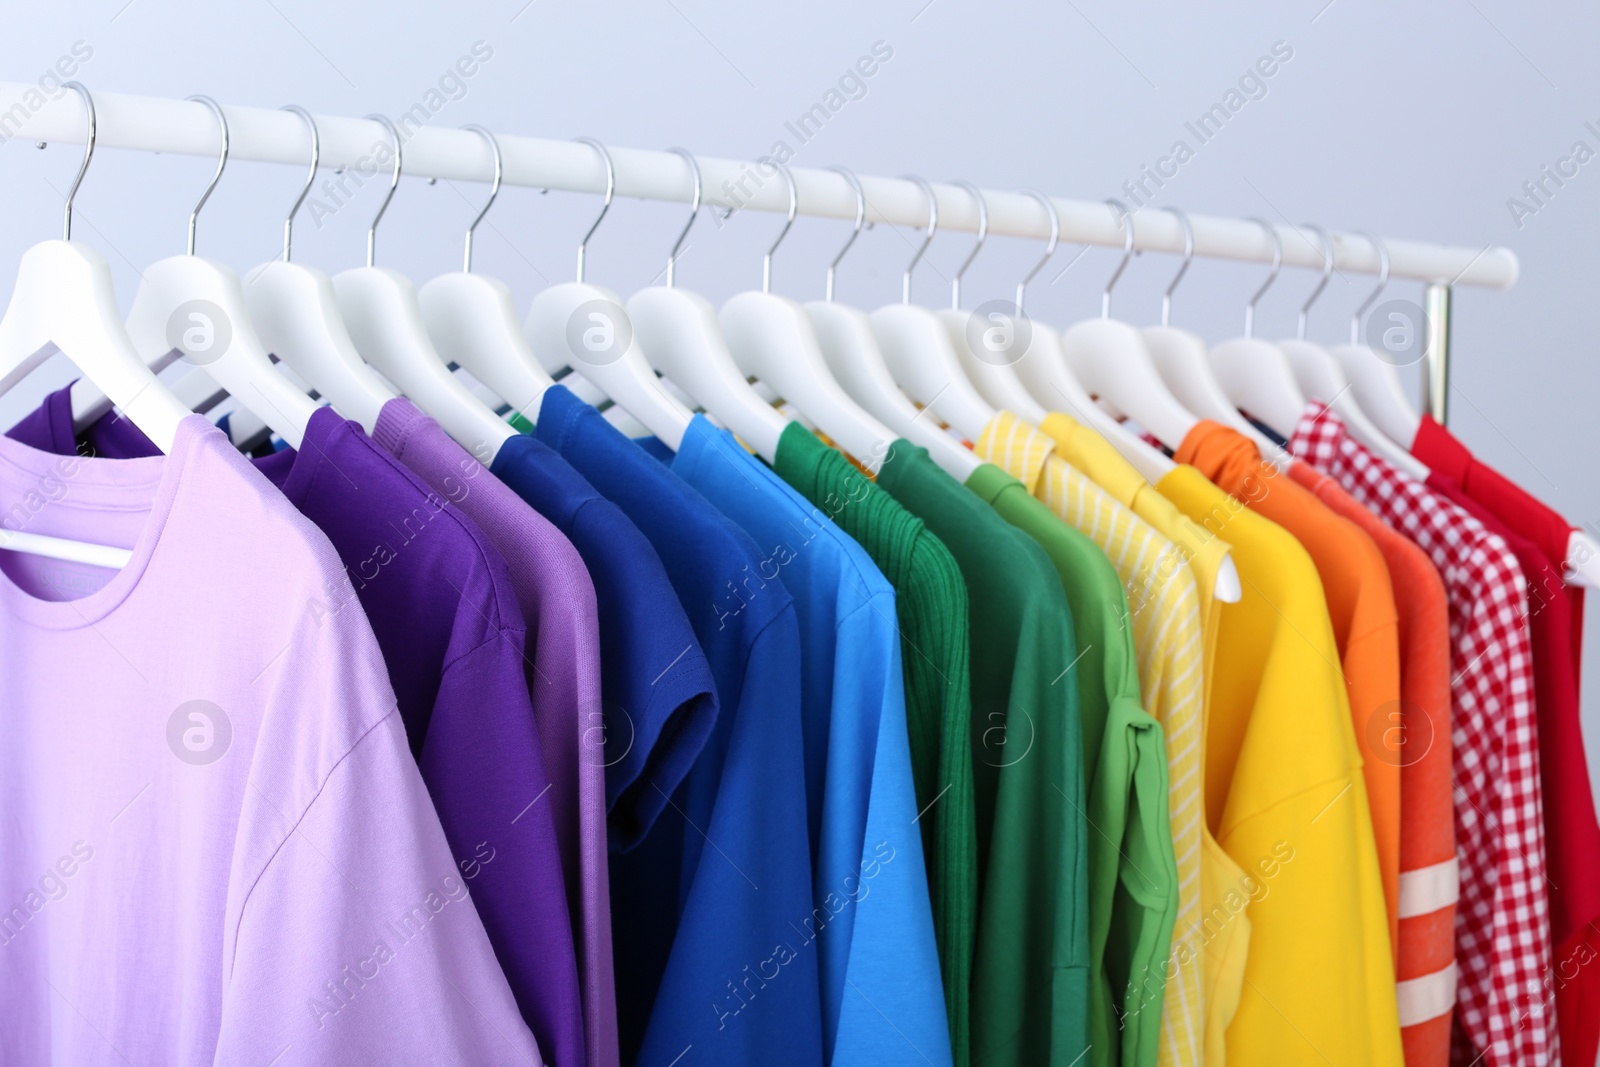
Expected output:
(1030, 974)
(931, 608)
(1133, 878)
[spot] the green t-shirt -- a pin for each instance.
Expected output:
(1030, 972)
(1133, 875)
(931, 609)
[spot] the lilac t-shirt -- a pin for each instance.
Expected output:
(441, 603)
(216, 847)
(558, 603)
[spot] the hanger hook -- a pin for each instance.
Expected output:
(1125, 221)
(983, 235)
(933, 228)
(1188, 257)
(611, 191)
(394, 182)
(311, 176)
(1049, 249)
(222, 161)
(861, 217)
(1322, 283)
(1383, 280)
(1272, 275)
(794, 208)
(88, 152)
(694, 211)
(494, 190)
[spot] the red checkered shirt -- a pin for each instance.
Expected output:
(1502, 920)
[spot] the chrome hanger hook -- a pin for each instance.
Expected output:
(1383, 280)
(611, 191)
(1125, 221)
(222, 161)
(494, 191)
(861, 217)
(311, 176)
(1272, 276)
(694, 211)
(1322, 283)
(1049, 248)
(1188, 258)
(394, 183)
(88, 152)
(983, 235)
(794, 208)
(933, 228)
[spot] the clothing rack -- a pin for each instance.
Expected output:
(155, 124)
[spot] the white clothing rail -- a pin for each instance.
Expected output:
(269, 135)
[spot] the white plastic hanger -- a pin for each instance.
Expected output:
(1322, 378)
(1180, 357)
(1256, 374)
(473, 322)
(679, 335)
(1001, 334)
(1046, 375)
(194, 308)
(771, 338)
(845, 336)
(385, 322)
(916, 346)
(296, 314)
(584, 328)
(1112, 362)
(63, 301)
(1375, 381)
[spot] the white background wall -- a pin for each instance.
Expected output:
(1413, 119)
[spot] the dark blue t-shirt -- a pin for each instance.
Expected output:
(708, 911)
(660, 701)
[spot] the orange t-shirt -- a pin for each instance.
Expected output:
(1360, 605)
(1426, 950)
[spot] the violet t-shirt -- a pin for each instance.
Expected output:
(558, 605)
(215, 847)
(712, 909)
(440, 601)
(660, 702)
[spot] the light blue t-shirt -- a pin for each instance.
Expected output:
(871, 923)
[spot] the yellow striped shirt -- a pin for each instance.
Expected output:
(1164, 609)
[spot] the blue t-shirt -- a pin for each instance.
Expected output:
(660, 701)
(708, 911)
(882, 1001)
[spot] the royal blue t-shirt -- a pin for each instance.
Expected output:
(708, 911)
(660, 701)
(882, 1001)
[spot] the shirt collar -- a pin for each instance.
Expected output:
(1440, 451)
(1016, 447)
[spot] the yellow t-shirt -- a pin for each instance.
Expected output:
(1205, 551)
(1286, 799)
(1164, 610)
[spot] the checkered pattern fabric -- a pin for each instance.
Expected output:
(1502, 921)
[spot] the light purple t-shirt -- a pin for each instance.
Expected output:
(558, 605)
(215, 846)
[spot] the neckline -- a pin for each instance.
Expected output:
(115, 482)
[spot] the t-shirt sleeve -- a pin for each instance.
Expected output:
(486, 770)
(892, 972)
(359, 942)
(741, 982)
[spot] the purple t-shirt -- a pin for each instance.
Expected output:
(442, 605)
(215, 847)
(558, 603)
